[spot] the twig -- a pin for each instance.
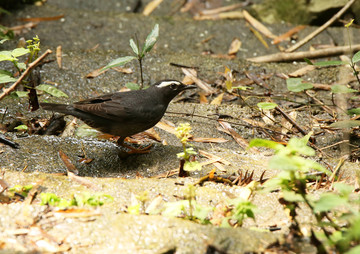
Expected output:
(320, 29)
(24, 74)
(290, 120)
(285, 57)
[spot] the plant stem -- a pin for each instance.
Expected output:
(141, 74)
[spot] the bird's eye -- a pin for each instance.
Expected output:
(174, 86)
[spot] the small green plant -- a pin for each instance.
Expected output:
(139, 53)
(296, 85)
(292, 182)
(22, 190)
(32, 50)
(83, 199)
(188, 208)
(182, 132)
(239, 210)
(138, 203)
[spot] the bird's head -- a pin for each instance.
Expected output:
(171, 88)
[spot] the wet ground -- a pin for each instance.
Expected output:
(91, 35)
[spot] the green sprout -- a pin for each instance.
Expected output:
(182, 132)
(139, 53)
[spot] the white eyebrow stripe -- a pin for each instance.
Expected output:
(168, 83)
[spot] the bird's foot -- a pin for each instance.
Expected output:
(134, 150)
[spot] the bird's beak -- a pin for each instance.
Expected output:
(187, 87)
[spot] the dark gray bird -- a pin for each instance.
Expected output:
(124, 113)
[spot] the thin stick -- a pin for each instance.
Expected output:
(25, 73)
(320, 29)
(285, 57)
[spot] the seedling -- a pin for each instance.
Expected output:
(182, 132)
(139, 53)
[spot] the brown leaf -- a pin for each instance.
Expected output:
(151, 6)
(95, 73)
(288, 34)
(203, 99)
(166, 127)
(209, 140)
(217, 100)
(302, 71)
(69, 166)
(240, 140)
(234, 46)
(258, 25)
(213, 156)
(191, 73)
(83, 181)
(59, 56)
(39, 19)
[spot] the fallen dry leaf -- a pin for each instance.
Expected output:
(39, 19)
(209, 140)
(258, 25)
(234, 46)
(191, 73)
(236, 136)
(95, 73)
(302, 71)
(213, 156)
(151, 6)
(59, 56)
(218, 99)
(166, 127)
(288, 34)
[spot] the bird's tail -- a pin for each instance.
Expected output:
(61, 108)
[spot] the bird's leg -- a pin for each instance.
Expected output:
(121, 142)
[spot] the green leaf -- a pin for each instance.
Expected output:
(6, 77)
(3, 40)
(6, 56)
(308, 61)
(355, 111)
(86, 131)
(119, 62)
(354, 250)
(242, 88)
(201, 212)
(151, 40)
(345, 124)
(299, 145)
(265, 143)
(291, 196)
(21, 66)
(134, 47)
(267, 105)
(174, 209)
(330, 63)
(22, 127)
(342, 89)
(356, 57)
(51, 90)
(21, 94)
(19, 52)
(192, 166)
(296, 85)
(328, 201)
(343, 189)
(132, 86)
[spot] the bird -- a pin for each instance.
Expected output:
(124, 113)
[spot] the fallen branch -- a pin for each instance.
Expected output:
(320, 29)
(286, 57)
(24, 74)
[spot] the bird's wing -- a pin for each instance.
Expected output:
(109, 106)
